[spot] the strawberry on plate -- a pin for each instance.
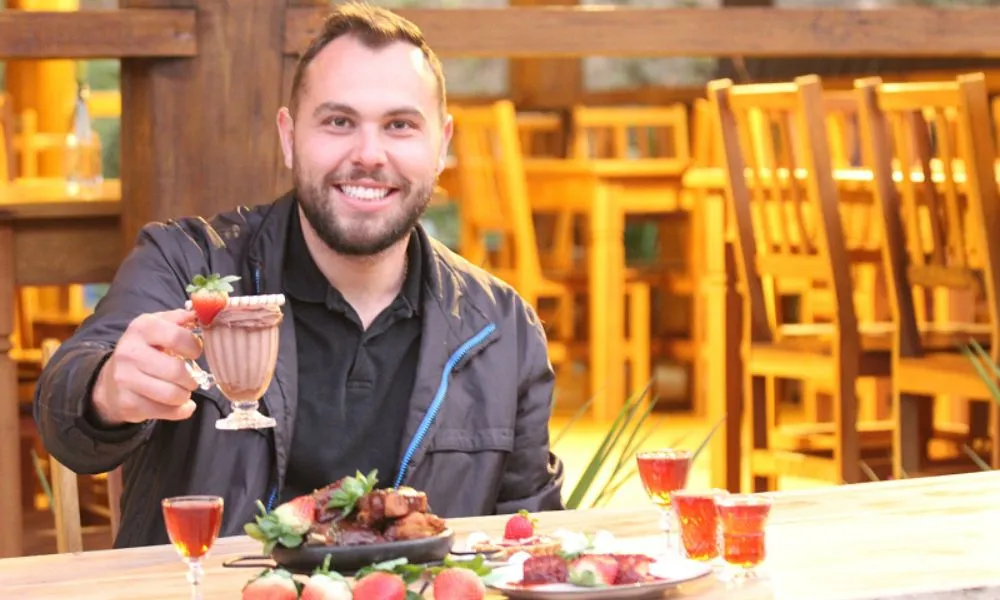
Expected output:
(271, 584)
(593, 570)
(325, 584)
(380, 585)
(457, 583)
(209, 295)
(520, 526)
(286, 525)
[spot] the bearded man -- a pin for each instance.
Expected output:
(395, 353)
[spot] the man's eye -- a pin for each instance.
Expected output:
(400, 125)
(337, 121)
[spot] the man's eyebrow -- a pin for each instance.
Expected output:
(406, 111)
(335, 107)
(346, 109)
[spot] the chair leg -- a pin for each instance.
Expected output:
(847, 449)
(638, 335)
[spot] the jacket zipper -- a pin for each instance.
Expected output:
(432, 412)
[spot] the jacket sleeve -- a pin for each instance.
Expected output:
(533, 476)
(147, 281)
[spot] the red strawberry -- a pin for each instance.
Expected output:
(456, 583)
(209, 295)
(520, 526)
(593, 570)
(325, 584)
(272, 584)
(380, 585)
(285, 525)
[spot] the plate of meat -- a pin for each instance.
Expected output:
(355, 525)
(594, 576)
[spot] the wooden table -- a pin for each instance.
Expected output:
(46, 238)
(915, 539)
(606, 191)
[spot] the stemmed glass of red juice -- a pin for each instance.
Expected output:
(193, 524)
(663, 472)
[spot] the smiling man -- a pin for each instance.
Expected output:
(395, 354)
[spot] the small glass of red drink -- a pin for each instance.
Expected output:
(742, 523)
(193, 524)
(697, 518)
(663, 472)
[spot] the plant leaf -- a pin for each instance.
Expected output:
(975, 458)
(708, 437)
(573, 420)
(597, 461)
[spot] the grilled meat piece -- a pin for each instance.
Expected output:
(343, 533)
(380, 505)
(415, 526)
(322, 496)
(545, 569)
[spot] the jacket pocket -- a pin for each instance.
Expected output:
(472, 441)
(463, 470)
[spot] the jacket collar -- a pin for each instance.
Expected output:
(451, 316)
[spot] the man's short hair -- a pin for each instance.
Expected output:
(376, 28)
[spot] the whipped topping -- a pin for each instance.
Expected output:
(259, 316)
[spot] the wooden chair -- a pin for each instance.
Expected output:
(495, 204)
(940, 238)
(66, 492)
(789, 227)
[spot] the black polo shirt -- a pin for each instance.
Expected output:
(354, 384)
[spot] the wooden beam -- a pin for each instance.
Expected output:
(199, 136)
(645, 32)
(97, 34)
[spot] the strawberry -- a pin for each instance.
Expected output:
(325, 584)
(593, 570)
(457, 583)
(380, 585)
(520, 526)
(209, 295)
(285, 525)
(272, 584)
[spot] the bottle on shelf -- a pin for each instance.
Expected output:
(83, 148)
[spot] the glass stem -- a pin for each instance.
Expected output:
(195, 575)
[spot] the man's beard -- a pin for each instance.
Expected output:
(361, 240)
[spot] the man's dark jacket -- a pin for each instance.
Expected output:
(476, 439)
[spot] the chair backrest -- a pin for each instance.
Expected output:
(494, 198)
(782, 196)
(929, 145)
(66, 492)
(631, 132)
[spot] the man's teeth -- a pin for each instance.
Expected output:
(364, 193)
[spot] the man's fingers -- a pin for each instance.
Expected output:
(178, 316)
(160, 365)
(152, 410)
(169, 336)
(161, 392)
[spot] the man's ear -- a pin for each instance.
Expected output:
(286, 131)
(446, 135)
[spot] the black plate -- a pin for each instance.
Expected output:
(347, 559)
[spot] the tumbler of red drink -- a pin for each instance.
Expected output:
(698, 522)
(193, 524)
(663, 472)
(742, 524)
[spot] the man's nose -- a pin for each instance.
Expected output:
(369, 151)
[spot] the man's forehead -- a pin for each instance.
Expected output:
(400, 57)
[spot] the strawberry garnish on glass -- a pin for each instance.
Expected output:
(209, 295)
